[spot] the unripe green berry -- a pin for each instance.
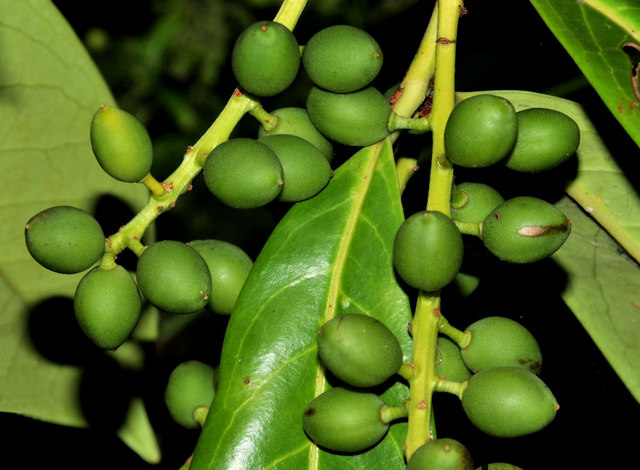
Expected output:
(64, 239)
(190, 387)
(472, 202)
(358, 119)
(121, 144)
(343, 420)
(342, 58)
(500, 342)
(243, 173)
(174, 277)
(265, 58)
(498, 466)
(359, 350)
(305, 170)
(295, 121)
(441, 454)
(525, 229)
(107, 306)
(546, 138)
(229, 266)
(508, 402)
(449, 363)
(427, 250)
(480, 131)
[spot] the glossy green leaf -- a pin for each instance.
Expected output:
(603, 290)
(50, 89)
(329, 255)
(600, 186)
(593, 32)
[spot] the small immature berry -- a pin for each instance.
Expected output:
(441, 454)
(190, 386)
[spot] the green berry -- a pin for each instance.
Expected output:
(546, 138)
(265, 58)
(229, 266)
(295, 121)
(174, 277)
(342, 58)
(64, 239)
(356, 119)
(427, 250)
(121, 144)
(305, 170)
(359, 350)
(525, 229)
(498, 342)
(449, 363)
(441, 454)
(472, 202)
(107, 306)
(498, 466)
(480, 131)
(243, 173)
(508, 402)
(343, 420)
(190, 387)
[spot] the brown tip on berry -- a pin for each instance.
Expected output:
(102, 106)
(263, 27)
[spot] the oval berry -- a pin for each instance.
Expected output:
(174, 277)
(546, 139)
(359, 350)
(441, 454)
(472, 202)
(229, 266)
(525, 229)
(427, 250)
(344, 420)
(121, 144)
(107, 306)
(265, 58)
(190, 387)
(500, 342)
(305, 170)
(357, 119)
(449, 363)
(508, 402)
(64, 239)
(480, 131)
(243, 173)
(342, 58)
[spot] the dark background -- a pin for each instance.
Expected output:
(167, 62)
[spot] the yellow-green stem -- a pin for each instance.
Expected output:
(425, 335)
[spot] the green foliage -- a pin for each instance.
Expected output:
(480, 131)
(427, 250)
(356, 119)
(243, 173)
(359, 350)
(190, 386)
(525, 229)
(121, 144)
(501, 342)
(229, 266)
(441, 454)
(107, 305)
(305, 170)
(174, 277)
(64, 239)
(344, 420)
(342, 59)
(265, 58)
(546, 139)
(508, 402)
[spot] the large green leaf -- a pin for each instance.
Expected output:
(593, 33)
(603, 289)
(328, 256)
(49, 90)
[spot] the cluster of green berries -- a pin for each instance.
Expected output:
(175, 277)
